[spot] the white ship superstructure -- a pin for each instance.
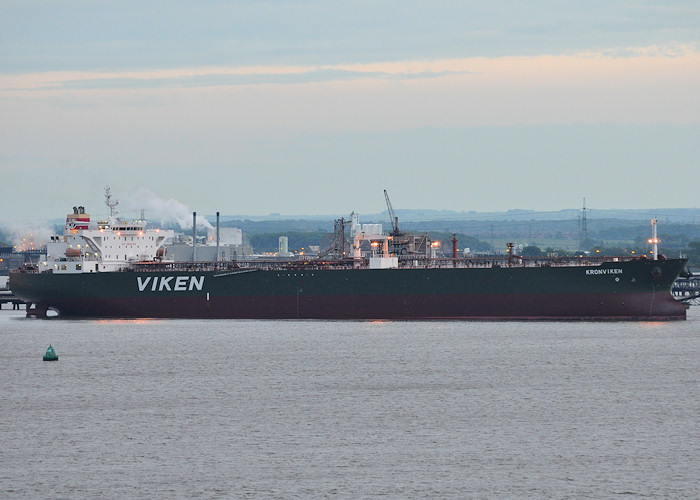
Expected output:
(111, 245)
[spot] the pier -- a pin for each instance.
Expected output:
(6, 297)
(687, 290)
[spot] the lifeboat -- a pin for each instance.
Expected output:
(160, 253)
(73, 252)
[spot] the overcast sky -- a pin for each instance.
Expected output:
(316, 107)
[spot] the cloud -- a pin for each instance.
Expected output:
(222, 76)
(211, 77)
(669, 50)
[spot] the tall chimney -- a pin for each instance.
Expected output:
(217, 236)
(454, 250)
(194, 236)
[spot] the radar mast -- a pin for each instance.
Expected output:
(112, 204)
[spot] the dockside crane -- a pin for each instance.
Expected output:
(405, 244)
(394, 220)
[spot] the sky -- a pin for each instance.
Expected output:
(316, 107)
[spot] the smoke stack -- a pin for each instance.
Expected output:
(217, 236)
(194, 236)
(454, 250)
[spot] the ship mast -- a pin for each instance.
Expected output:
(112, 204)
(584, 229)
(654, 240)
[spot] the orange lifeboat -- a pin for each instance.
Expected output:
(73, 252)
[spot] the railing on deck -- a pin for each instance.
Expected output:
(405, 262)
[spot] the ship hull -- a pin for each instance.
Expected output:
(633, 290)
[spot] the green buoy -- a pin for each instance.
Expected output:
(50, 354)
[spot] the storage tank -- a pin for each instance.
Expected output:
(284, 247)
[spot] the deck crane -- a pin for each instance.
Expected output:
(394, 220)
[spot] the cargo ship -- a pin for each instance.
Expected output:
(119, 269)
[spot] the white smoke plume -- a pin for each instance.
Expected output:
(28, 236)
(164, 211)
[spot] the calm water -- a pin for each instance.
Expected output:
(282, 409)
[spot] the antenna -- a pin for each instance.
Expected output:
(112, 204)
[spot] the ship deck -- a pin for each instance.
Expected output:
(404, 263)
